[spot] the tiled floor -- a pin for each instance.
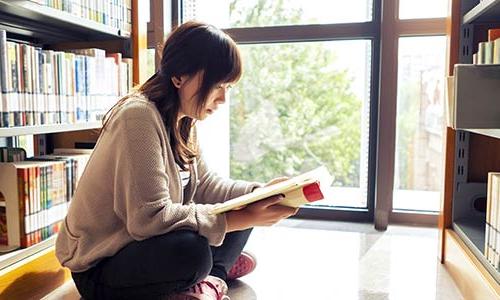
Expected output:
(334, 260)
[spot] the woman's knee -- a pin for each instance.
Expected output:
(194, 252)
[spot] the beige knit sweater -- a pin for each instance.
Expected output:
(131, 190)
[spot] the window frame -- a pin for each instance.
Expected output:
(319, 33)
(384, 36)
(392, 29)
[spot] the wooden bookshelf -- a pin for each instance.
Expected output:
(32, 20)
(470, 154)
(12, 257)
(33, 277)
(34, 272)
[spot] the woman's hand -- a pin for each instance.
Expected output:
(265, 212)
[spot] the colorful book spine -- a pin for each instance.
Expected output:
(41, 87)
(35, 197)
(114, 13)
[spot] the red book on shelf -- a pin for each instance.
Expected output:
(493, 34)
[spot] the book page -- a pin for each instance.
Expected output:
(319, 174)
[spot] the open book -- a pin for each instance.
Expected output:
(298, 190)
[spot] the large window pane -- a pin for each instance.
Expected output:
(300, 105)
(150, 67)
(413, 9)
(420, 124)
(255, 13)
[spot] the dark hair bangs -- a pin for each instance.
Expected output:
(224, 64)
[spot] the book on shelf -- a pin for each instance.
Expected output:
(492, 233)
(299, 190)
(3, 221)
(470, 96)
(489, 51)
(41, 86)
(12, 154)
(493, 34)
(36, 193)
(114, 13)
(496, 51)
(35, 200)
(450, 101)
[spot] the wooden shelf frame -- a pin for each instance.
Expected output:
(12, 257)
(469, 156)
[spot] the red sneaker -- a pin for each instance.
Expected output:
(244, 265)
(210, 288)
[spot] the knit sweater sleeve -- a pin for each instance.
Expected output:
(142, 199)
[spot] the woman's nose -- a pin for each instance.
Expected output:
(223, 95)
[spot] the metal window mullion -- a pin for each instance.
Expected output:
(387, 111)
(302, 33)
(374, 108)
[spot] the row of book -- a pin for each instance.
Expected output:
(10, 154)
(114, 13)
(492, 232)
(36, 195)
(51, 87)
(469, 95)
(489, 51)
(469, 90)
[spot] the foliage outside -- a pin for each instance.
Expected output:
(292, 110)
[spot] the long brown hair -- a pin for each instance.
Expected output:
(189, 49)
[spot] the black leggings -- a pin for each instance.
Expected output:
(159, 266)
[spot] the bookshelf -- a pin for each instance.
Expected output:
(16, 256)
(471, 152)
(484, 11)
(45, 129)
(491, 132)
(34, 271)
(32, 20)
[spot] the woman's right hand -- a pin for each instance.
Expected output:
(265, 212)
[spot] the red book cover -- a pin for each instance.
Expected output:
(493, 34)
(3, 222)
(312, 192)
(22, 180)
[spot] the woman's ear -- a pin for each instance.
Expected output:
(177, 81)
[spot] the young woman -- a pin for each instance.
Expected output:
(139, 225)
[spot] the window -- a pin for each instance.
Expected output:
(150, 70)
(420, 124)
(422, 9)
(320, 59)
(258, 13)
(300, 103)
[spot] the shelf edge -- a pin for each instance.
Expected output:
(479, 10)
(44, 129)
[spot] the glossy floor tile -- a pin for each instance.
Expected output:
(309, 260)
(324, 260)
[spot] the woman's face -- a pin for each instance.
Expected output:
(188, 87)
